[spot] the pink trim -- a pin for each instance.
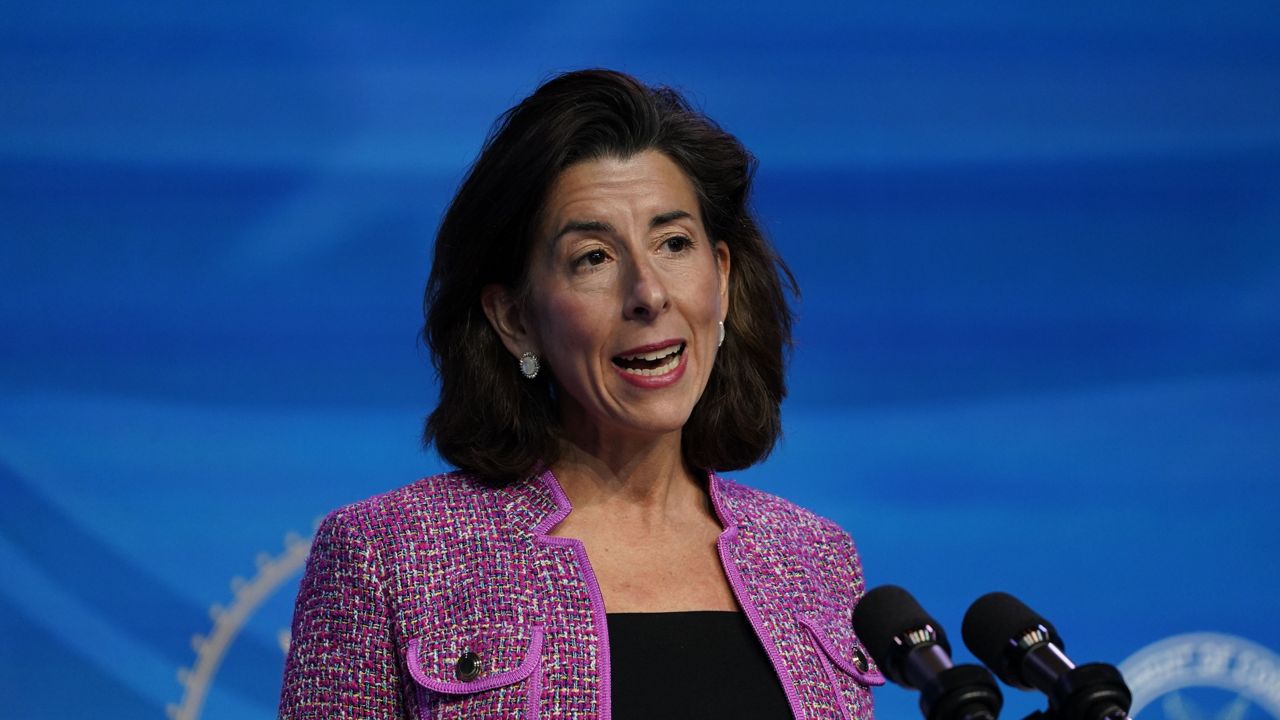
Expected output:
(865, 677)
(424, 702)
(593, 587)
(424, 706)
(836, 687)
(535, 694)
(531, 657)
(739, 591)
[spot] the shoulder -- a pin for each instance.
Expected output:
(449, 502)
(449, 494)
(753, 507)
(403, 541)
(770, 521)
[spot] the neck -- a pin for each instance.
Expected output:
(639, 479)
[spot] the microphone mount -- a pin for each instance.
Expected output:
(1025, 651)
(912, 650)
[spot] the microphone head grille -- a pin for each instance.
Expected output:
(999, 629)
(885, 614)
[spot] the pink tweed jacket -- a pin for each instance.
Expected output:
(448, 599)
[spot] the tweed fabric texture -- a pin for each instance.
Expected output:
(399, 586)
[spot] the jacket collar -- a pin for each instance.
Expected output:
(538, 502)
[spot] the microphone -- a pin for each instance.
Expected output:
(1025, 650)
(912, 650)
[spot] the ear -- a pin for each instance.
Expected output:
(507, 319)
(721, 251)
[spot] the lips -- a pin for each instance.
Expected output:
(651, 360)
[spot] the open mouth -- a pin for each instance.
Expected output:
(655, 362)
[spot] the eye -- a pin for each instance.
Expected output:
(591, 258)
(678, 243)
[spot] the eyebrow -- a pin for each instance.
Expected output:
(668, 217)
(584, 226)
(599, 226)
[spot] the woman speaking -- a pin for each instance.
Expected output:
(610, 327)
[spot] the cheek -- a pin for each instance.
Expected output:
(572, 325)
(704, 293)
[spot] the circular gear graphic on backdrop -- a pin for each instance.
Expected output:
(1203, 676)
(273, 571)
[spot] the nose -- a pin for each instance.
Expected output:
(646, 292)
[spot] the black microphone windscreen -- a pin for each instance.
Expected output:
(992, 626)
(886, 612)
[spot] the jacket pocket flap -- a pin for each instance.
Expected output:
(852, 661)
(474, 658)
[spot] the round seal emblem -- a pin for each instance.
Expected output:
(228, 621)
(1203, 676)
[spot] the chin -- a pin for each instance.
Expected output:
(654, 425)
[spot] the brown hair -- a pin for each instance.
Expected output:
(490, 420)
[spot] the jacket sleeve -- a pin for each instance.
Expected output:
(852, 585)
(850, 564)
(342, 659)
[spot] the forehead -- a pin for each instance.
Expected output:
(644, 185)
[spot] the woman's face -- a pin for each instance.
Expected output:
(626, 296)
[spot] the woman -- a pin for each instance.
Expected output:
(609, 326)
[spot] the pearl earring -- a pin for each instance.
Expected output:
(721, 341)
(529, 365)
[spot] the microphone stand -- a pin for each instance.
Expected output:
(1095, 691)
(951, 692)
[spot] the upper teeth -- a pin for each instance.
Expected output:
(654, 355)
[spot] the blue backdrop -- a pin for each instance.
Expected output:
(1038, 346)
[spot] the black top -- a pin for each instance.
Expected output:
(704, 664)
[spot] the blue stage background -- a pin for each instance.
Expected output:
(1038, 346)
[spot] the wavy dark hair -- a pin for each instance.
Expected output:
(490, 420)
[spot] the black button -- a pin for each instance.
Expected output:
(468, 667)
(859, 659)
